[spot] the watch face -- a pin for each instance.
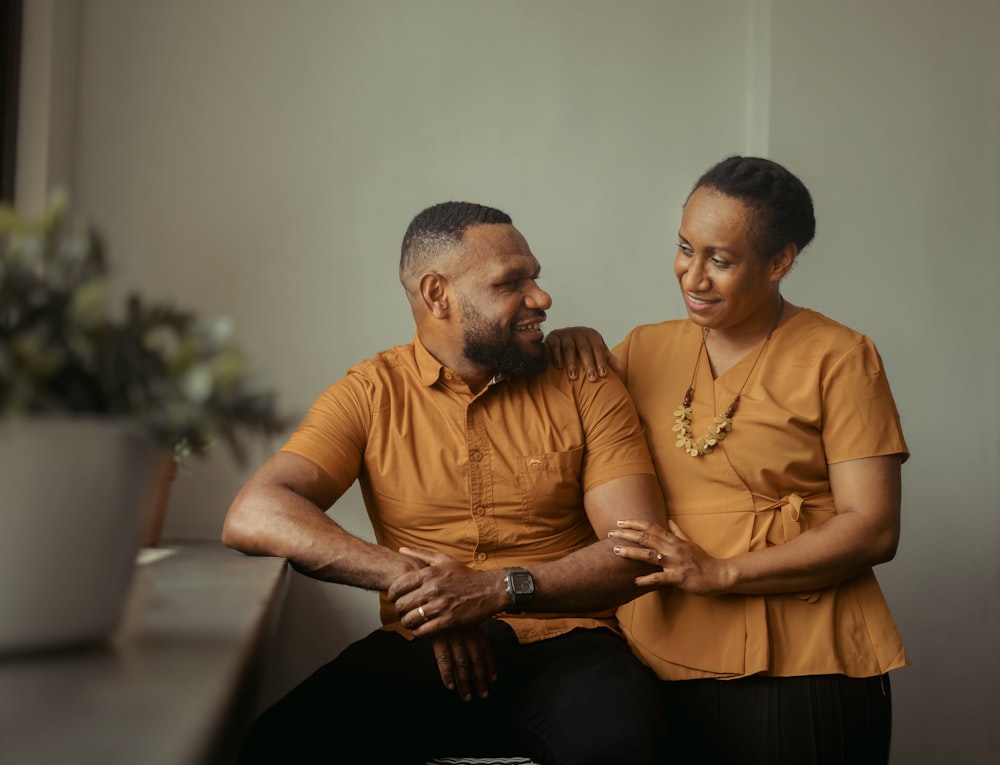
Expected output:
(522, 583)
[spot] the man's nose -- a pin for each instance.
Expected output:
(538, 298)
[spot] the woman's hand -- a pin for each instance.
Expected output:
(684, 564)
(581, 347)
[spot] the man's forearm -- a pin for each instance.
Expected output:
(276, 521)
(452, 595)
(589, 579)
(343, 558)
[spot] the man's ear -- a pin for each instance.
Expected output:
(782, 263)
(434, 293)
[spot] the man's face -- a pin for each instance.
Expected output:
(502, 306)
(493, 345)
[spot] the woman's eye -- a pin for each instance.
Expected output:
(720, 262)
(687, 249)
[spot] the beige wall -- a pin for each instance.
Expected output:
(260, 160)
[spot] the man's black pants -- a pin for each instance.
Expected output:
(576, 699)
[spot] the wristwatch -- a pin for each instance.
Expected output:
(520, 586)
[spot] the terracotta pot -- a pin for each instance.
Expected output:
(72, 498)
(159, 499)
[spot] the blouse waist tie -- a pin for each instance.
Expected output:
(778, 522)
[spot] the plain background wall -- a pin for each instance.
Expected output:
(260, 160)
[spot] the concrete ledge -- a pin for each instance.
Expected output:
(174, 686)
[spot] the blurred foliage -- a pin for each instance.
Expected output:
(63, 350)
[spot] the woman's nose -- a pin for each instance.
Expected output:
(694, 276)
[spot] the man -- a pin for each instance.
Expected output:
(491, 483)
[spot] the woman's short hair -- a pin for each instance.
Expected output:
(781, 203)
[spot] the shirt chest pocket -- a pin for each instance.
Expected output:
(551, 487)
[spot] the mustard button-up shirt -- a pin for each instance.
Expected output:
(493, 479)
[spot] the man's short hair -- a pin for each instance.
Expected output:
(439, 228)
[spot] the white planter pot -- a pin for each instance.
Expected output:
(73, 494)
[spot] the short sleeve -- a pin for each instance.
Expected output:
(335, 430)
(859, 413)
(616, 443)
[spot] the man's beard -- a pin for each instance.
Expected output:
(497, 349)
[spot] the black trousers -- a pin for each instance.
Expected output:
(811, 720)
(576, 699)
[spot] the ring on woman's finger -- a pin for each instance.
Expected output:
(423, 614)
(659, 557)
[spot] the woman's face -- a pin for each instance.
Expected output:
(725, 284)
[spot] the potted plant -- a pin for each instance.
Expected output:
(91, 401)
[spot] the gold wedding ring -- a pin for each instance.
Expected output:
(423, 614)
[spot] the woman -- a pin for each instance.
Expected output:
(778, 447)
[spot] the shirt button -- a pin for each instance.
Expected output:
(477, 456)
(480, 556)
(480, 510)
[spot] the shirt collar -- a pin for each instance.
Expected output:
(431, 369)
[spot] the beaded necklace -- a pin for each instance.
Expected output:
(724, 422)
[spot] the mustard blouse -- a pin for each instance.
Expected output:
(818, 395)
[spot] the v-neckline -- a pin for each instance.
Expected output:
(747, 358)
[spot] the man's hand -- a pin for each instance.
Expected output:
(445, 594)
(465, 661)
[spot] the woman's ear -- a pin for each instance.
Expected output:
(782, 263)
(434, 293)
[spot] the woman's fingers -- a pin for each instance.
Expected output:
(642, 554)
(642, 533)
(576, 348)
